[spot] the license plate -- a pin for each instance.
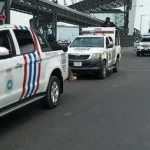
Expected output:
(78, 64)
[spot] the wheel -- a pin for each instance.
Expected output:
(138, 54)
(116, 69)
(52, 94)
(102, 73)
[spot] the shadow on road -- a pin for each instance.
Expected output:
(19, 117)
(27, 110)
(26, 115)
(145, 55)
(92, 76)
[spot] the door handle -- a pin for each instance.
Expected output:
(18, 66)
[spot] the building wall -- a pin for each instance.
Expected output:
(132, 17)
(67, 33)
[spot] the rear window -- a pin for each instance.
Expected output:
(88, 42)
(25, 41)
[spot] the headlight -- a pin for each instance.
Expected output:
(139, 47)
(95, 56)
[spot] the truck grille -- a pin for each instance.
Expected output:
(78, 56)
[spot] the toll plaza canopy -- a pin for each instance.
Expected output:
(96, 5)
(46, 9)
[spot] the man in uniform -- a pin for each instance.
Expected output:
(108, 23)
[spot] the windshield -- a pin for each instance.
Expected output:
(88, 42)
(145, 39)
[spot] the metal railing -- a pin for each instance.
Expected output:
(127, 40)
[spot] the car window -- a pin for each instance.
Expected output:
(45, 47)
(145, 39)
(88, 42)
(25, 41)
(111, 40)
(107, 41)
(6, 41)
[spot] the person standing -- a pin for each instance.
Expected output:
(108, 23)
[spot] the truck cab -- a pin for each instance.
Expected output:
(29, 69)
(95, 51)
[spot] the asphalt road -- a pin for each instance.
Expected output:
(111, 114)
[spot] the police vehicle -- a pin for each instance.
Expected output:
(29, 69)
(96, 50)
(142, 45)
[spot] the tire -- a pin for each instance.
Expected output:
(50, 101)
(102, 73)
(138, 54)
(116, 69)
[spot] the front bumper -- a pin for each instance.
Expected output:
(86, 65)
(143, 50)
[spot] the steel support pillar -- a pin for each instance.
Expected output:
(127, 8)
(80, 29)
(7, 11)
(54, 20)
(37, 15)
(126, 23)
(54, 24)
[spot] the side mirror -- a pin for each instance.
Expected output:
(4, 51)
(65, 49)
(110, 46)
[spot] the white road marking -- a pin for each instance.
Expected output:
(114, 86)
(137, 70)
(68, 114)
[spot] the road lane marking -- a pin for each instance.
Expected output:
(136, 70)
(68, 114)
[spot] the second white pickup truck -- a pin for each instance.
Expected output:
(95, 51)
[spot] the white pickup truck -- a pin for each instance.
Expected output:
(95, 51)
(29, 69)
(142, 45)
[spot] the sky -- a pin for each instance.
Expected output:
(23, 19)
